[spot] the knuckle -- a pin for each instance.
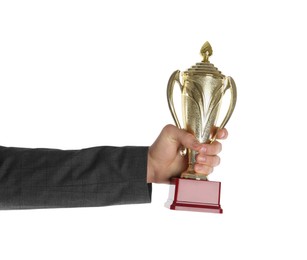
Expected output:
(209, 170)
(204, 169)
(222, 133)
(217, 160)
(218, 147)
(168, 128)
(225, 133)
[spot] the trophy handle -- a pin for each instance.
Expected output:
(170, 89)
(231, 85)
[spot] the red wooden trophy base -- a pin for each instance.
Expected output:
(194, 195)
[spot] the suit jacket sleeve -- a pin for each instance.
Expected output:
(49, 178)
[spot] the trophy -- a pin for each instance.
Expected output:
(203, 88)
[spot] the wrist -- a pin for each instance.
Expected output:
(150, 169)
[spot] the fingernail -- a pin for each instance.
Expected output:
(222, 135)
(196, 144)
(203, 149)
(201, 159)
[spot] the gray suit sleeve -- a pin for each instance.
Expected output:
(51, 178)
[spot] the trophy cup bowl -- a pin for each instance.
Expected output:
(202, 90)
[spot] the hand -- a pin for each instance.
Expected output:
(165, 161)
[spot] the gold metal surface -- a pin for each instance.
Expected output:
(206, 51)
(202, 91)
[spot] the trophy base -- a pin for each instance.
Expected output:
(194, 195)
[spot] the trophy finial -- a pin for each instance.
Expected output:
(206, 51)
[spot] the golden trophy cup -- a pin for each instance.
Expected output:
(203, 88)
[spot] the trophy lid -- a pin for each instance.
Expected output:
(205, 67)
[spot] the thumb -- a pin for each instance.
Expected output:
(182, 138)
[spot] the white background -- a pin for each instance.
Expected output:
(76, 74)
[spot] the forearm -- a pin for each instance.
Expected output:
(99, 176)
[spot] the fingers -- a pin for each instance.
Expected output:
(211, 161)
(203, 169)
(211, 149)
(206, 163)
(207, 158)
(222, 134)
